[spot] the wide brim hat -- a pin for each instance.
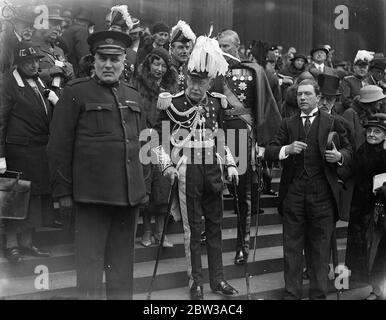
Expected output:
(377, 120)
(371, 93)
(329, 84)
(109, 42)
(24, 51)
(26, 15)
(319, 48)
(136, 26)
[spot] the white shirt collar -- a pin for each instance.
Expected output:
(319, 64)
(312, 113)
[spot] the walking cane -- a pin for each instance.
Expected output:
(169, 209)
(335, 262)
(260, 186)
(242, 236)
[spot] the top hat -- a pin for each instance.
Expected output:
(329, 84)
(319, 48)
(84, 14)
(377, 120)
(25, 51)
(109, 42)
(379, 64)
(370, 94)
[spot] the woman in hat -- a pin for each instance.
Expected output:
(366, 244)
(296, 67)
(25, 114)
(371, 100)
(155, 75)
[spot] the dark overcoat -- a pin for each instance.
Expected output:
(24, 131)
(94, 145)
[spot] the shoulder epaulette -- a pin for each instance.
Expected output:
(78, 80)
(222, 97)
(178, 94)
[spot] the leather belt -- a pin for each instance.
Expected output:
(238, 112)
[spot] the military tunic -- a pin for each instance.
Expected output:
(94, 156)
(200, 177)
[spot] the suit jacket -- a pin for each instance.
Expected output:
(327, 70)
(24, 131)
(289, 132)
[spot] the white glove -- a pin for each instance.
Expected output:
(3, 165)
(52, 97)
(232, 173)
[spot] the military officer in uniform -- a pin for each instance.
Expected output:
(94, 163)
(181, 44)
(196, 163)
(248, 93)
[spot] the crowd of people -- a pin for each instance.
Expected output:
(75, 102)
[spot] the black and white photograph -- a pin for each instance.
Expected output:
(170, 151)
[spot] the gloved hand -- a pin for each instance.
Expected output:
(171, 173)
(233, 174)
(52, 97)
(66, 202)
(55, 71)
(3, 165)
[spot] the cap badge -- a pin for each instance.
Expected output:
(109, 41)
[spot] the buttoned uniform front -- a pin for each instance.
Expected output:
(200, 181)
(94, 157)
(182, 71)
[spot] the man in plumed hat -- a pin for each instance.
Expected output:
(195, 163)
(319, 62)
(353, 83)
(94, 164)
(75, 38)
(25, 115)
(182, 41)
(252, 109)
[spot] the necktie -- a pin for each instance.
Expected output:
(307, 124)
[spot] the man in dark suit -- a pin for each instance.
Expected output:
(309, 191)
(319, 65)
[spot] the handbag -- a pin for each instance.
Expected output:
(14, 196)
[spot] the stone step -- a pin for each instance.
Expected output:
(53, 236)
(171, 273)
(63, 259)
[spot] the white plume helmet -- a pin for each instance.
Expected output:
(185, 29)
(123, 10)
(207, 57)
(364, 55)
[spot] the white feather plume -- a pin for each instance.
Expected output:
(125, 14)
(186, 30)
(208, 57)
(364, 55)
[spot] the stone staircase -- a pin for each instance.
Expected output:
(266, 282)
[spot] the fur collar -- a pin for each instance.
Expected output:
(20, 81)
